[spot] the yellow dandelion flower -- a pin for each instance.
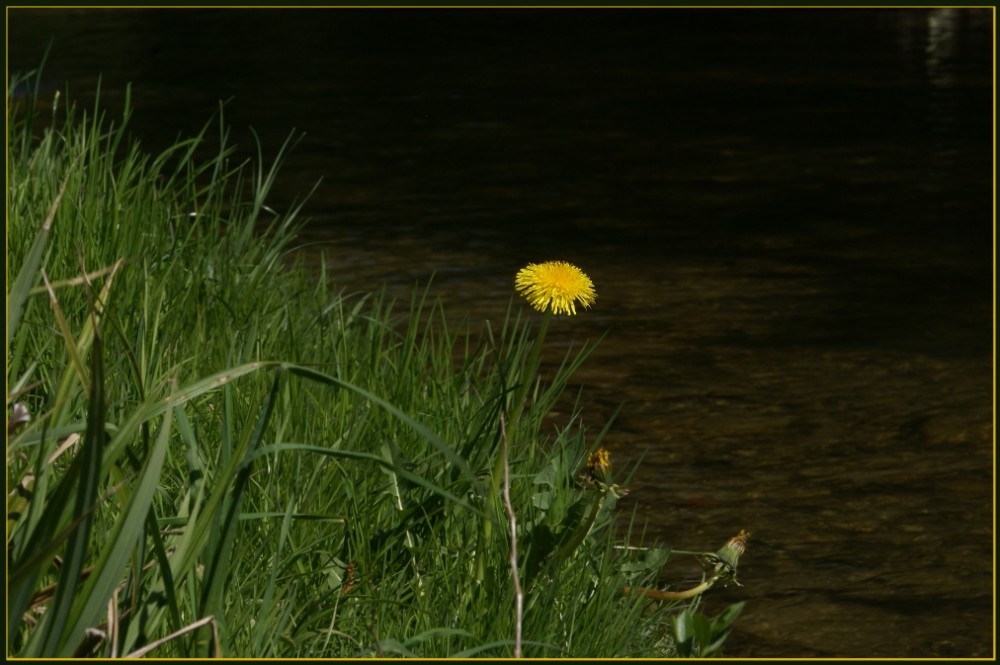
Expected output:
(557, 285)
(599, 460)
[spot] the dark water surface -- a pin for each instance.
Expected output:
(787, 214)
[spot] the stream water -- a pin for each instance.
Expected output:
(788, 215)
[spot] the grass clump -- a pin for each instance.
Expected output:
(213, 452)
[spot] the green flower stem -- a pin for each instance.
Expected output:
(484, 536)
(517, 406)
(656, 594)
(532, 367)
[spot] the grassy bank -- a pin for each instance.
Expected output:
(212, 451)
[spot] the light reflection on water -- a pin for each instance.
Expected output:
(787, 216)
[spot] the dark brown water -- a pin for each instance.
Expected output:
(787, 214)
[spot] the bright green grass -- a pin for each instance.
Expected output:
(263, 464)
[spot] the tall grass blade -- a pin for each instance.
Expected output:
(417, 427)
(266, 615)
(476, 651)
(153, 407)
(123, 538)
(17, 296)
(217, 571)
(55, 634)
(386, 464)
(76, 360)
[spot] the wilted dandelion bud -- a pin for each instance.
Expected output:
(731, 552)
(19, 416)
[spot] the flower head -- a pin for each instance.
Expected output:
(596, 474)
(736, 546)
(599, 460)
(555, 284)
(724, 562)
